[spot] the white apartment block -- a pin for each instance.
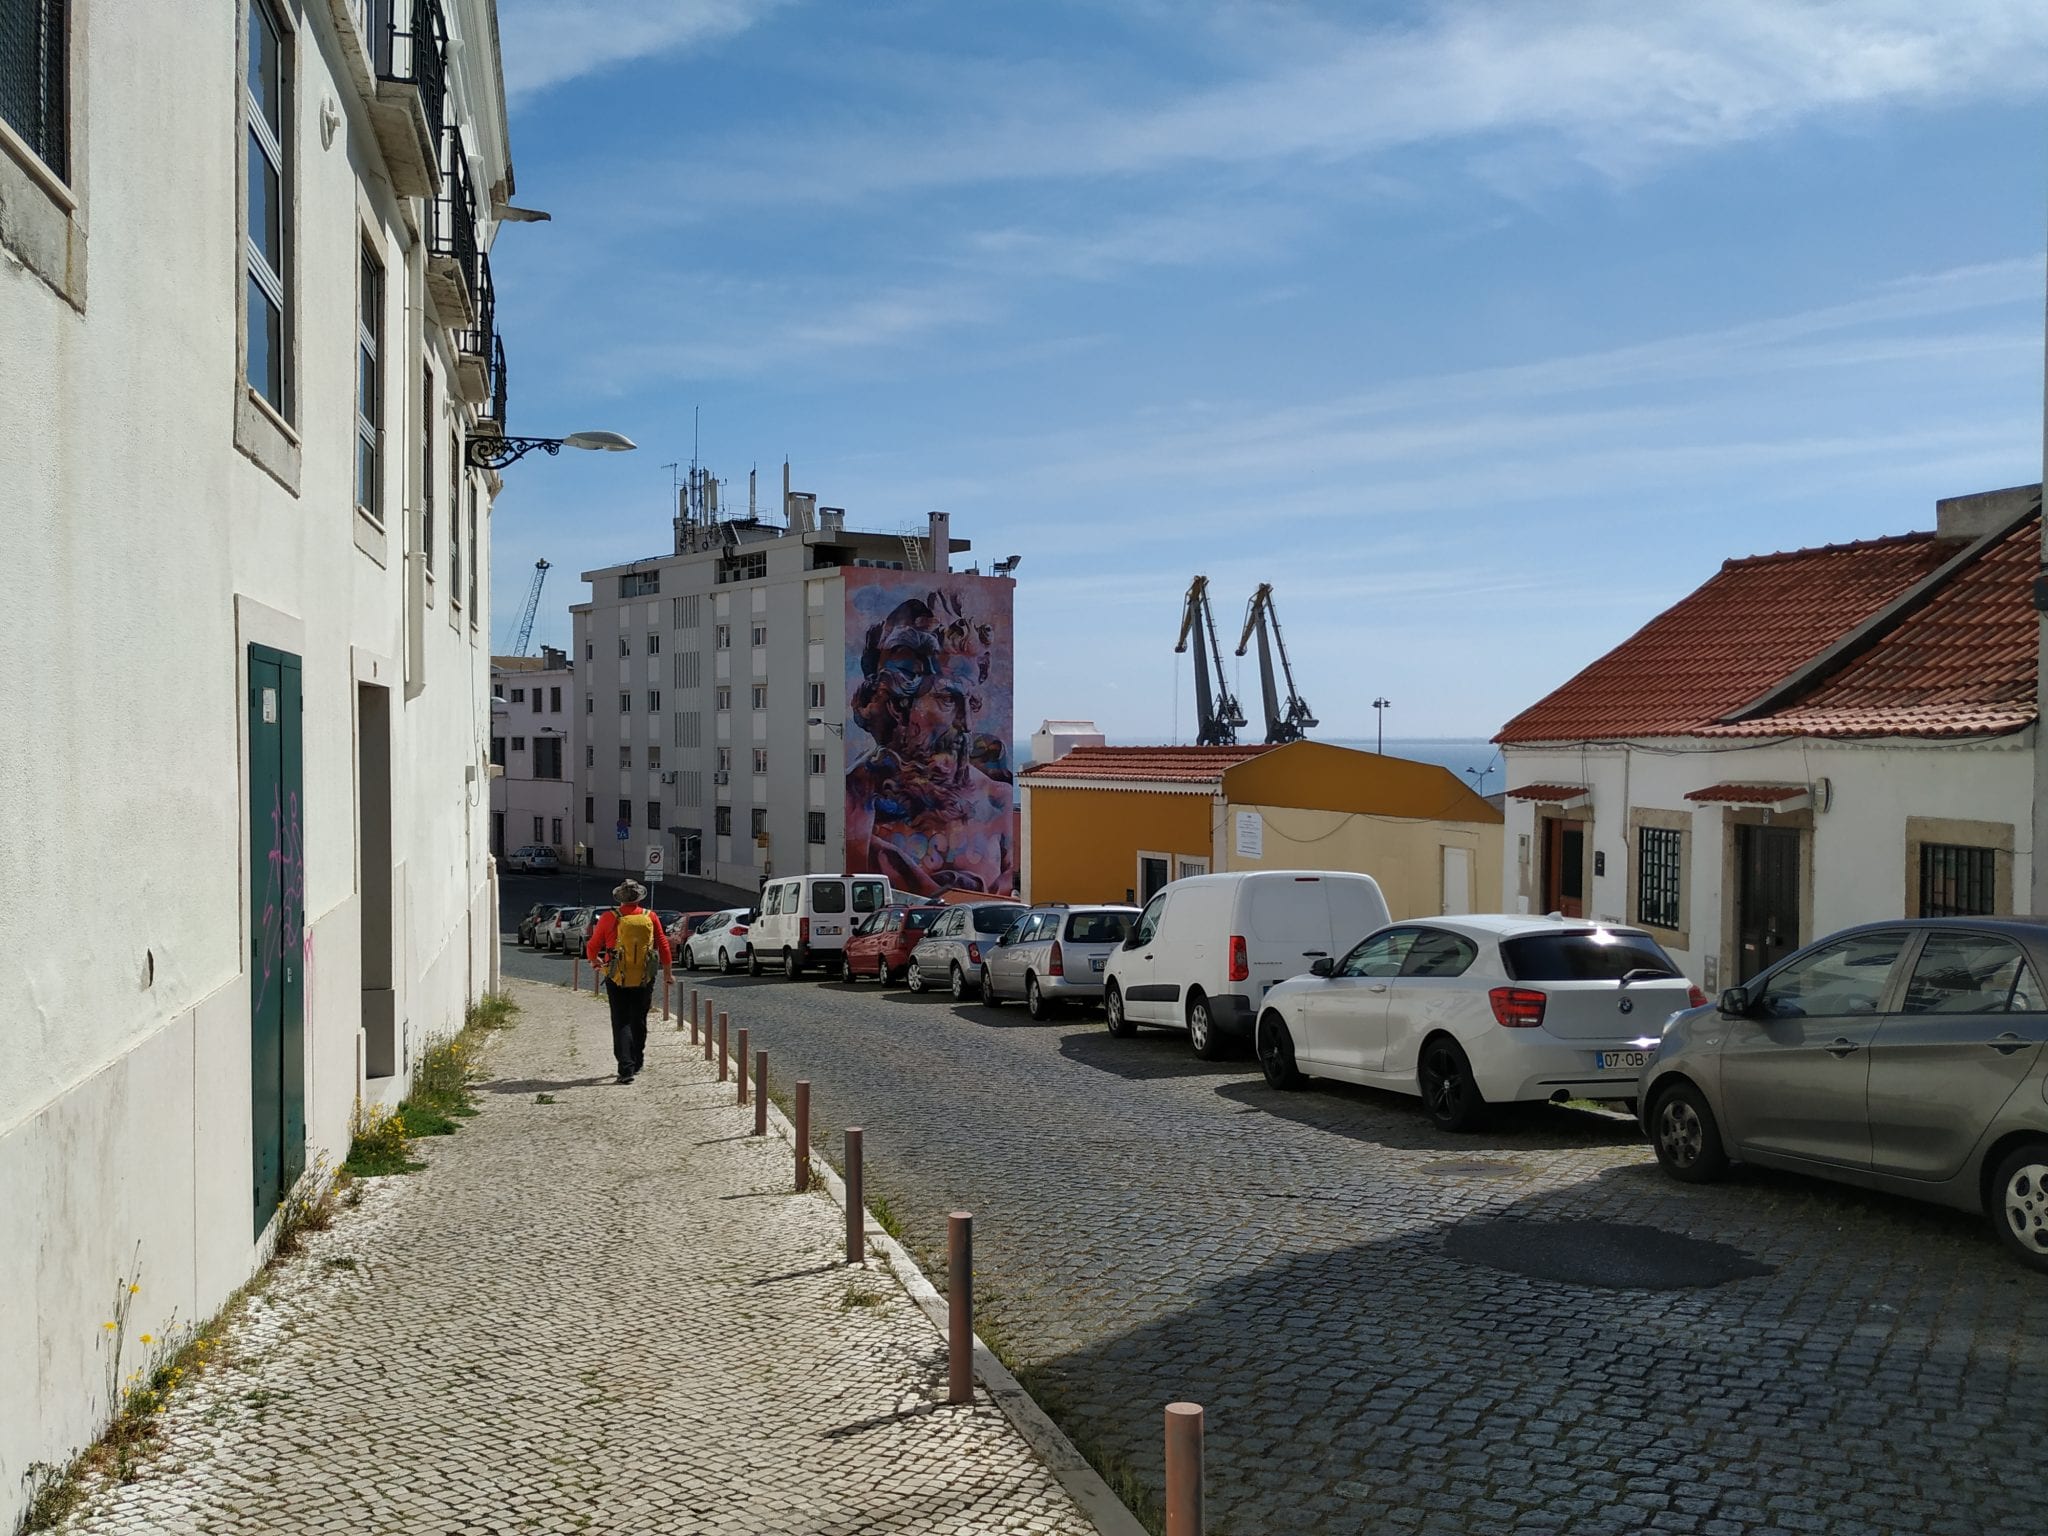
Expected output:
(534, 747)
(247, 325)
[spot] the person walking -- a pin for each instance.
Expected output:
(625, 944)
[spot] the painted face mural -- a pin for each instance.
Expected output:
(929, 797)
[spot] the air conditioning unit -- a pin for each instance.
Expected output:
(720, 776)
(668, 778)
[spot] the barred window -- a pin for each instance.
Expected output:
(1958, 881)
(1658, 876)
(33, 38)
(815, 826)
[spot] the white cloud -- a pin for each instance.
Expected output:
(549, 41)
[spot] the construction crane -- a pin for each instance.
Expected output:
(1291, 722)
(540, 574)
(1216, 709)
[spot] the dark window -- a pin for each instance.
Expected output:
(558, 828)
(498, 750)
(473, 561)
(828, 896)
(1969, 973)
(1098, 927)
(1585, 954)
(625, 813)
(654, 815)
(1436, 952)
(263, 111)
(721, 821)
(814, 826)
(996, 919)
(518, 743)
(918, 919)
(1956, 881)
(427, 477)
(538, 824)
(654, 701)
(518, 695)
(640, 584)
(1379, 954)
(554, 701)
(547, 757)
(868, 895)
(760, 822)
(653, 643)
(589, 809)
(1657, 876)
(1845, 977)
(369, 386)
(33, 77)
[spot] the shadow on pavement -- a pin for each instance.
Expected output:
(541, 1085)
(1148, 1054)
(1397, 1121)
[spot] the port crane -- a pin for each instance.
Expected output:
(540, 574)
(1292, 721)
(1217, 713)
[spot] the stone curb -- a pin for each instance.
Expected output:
(1083, 1484)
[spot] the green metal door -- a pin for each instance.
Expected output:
(277, 914)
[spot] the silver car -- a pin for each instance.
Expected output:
(1054, 956)
(1903, 1056)
(950, 953)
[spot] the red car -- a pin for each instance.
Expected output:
(881, 943)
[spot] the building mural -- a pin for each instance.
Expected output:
(930, 799)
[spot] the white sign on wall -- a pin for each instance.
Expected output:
(1251, 835)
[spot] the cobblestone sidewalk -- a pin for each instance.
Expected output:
(605, 1313)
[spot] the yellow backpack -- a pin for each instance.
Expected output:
(632, 963)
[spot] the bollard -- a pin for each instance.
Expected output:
(575, 973)
(803, 1135)
(960, 1307)
(707, 1029)
(743, 1066)
(1183, 1469)
(664, 1001)
(760, 1093)
(856, 1226)
(724, 1020)
(693, 1013)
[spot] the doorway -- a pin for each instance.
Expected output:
(277, 915)
(1154, 870)
(1457, 880)
(373, 850)
(1564, 866)
(1766, 897)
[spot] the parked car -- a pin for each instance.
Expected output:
(951, 950)
(1470, 1011)
(556, 931)
(881, 942)
(720, 940)
(537, 914)
(679, 926)
(1904, 1056)
(1054, 956)
(805, 919)
(537, 857)
(576, 932)
(1206, 950)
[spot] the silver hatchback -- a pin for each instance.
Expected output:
(1903, 1056)
(1054, 956)
(950, 952)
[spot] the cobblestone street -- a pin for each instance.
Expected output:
(1154, 1227)
(603, 1313)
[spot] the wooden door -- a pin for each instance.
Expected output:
(1564, 867)
(1766, 897)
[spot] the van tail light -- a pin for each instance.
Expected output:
(1056, 963)
(1517, 1007)
(1240, 959)
(803, 932)
(974, 953)
(1694, 997)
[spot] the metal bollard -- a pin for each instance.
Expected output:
(707, 1029)
(856, 1224)
(1183, 1469)
(960, 1307)
(760, 1093)
(743, 1066)
(664, 1002)
(724, 1020)
(803, 1135)
(693, 1013)
(575, 973)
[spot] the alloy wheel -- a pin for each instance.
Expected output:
(1680, 1136)
(2026, 1206)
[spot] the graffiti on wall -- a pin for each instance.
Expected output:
(930, 797)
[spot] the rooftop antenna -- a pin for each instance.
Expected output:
(752, 515)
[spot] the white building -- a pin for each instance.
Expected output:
(246, 323)
(534, 747)
(1810, 740)
(733, 694)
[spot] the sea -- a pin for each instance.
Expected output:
(1473, 758)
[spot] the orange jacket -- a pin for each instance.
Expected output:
(606, 928)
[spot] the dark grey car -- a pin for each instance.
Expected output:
(1904, 1056)
(949, 954)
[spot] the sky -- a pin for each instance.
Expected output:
(1482, 331)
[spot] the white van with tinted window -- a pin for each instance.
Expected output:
(1207, 949)
(805, 920)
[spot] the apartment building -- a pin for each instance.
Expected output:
(534, 749)
(772, 699)
(246, 315)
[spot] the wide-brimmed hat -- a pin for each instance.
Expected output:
(629, 891)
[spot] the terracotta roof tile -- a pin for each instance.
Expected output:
(1157, 765)
(1747, 794)
(1547, 794)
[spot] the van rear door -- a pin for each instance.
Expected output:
(1290, 921)
(1356, 909)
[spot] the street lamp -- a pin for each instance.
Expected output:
(831, 725)
(493, 450)
(1379, 709)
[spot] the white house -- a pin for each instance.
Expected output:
(1811, 739)
(535, 745)
(246, 318)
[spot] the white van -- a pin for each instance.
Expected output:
(1207, 949)
(805, 919)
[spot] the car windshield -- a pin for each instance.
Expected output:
(919, 918)
(994, 919)
(1590, 954)
(1098, 927)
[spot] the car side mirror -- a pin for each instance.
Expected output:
(1735, 1002)
(1134, 940)
(1323, 967)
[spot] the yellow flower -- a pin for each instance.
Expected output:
(108, 1326)
(147, 1339)
(133, 1289)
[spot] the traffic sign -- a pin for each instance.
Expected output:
(654, 861)
(625, 830)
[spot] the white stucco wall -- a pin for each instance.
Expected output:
(145, 553)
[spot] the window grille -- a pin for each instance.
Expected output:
(1956, 881)
(33, 40)
(1659, 879)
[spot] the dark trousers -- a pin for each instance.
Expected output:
(629, 1025)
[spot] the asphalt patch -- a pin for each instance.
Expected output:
(1613, 1255)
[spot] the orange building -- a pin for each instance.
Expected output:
(1116, 823)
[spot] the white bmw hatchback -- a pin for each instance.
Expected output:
(1470, 1011)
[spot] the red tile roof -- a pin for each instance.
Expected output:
(1962, 665)
(1747, 794)
(1547, 794)
(1156, 765)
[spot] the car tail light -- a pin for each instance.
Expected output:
(1694, 997)
(737, 931)
(1517, 1007)
(974, 953)
(1056, 963)
(1240, 959)
(803, 932)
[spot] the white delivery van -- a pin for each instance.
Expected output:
(1206, 950)
(805, 919)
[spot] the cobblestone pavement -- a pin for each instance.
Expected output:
(605, 1313)
(1157, 1228)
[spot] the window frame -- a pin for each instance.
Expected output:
(1660, 877)
(369, 422)
(274, 280)
(757, 696)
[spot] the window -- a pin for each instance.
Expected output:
(1592, 954)
(497, 690)
(640, 584)
(1098, 927)
(653, 643)
(817, 695)
(625, 703)
(817, 763)
(589, 809)
(590, 650)
(814, 826)
(536, 701)
(454, 520)
(518, 695)
(557, 838)
(725, 759)
(554, 701)
(760, 759)
(625, 646)
(539, 824)
(590, 703)
(828, 897)
(722, 697)
(1956, 881)
(1152, 874)
(1658, 875)
(475, 610)
(721, 637)
(1970, 973)
(1148, 920)
(33, 79)
(653, 701)
(760, 695)
(1839, 979)
(625, 756)
(721, 821)
(589, 756)
(654, 757)
(547, 757)
(268, 195)
(498, 750)
(1380, 955)
(870, 895)
(518, 743)
(427, 436)
(1438, 953)
(759, 820)
(625, 813)
(654, 815)
(369, 384)
(760, 635)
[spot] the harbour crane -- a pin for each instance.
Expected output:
(540, 574)
(1216, 709)
(1292, 721)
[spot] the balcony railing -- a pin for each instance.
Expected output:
(410, 42)
(455, 210)
(483, 349)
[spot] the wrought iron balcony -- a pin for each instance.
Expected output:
(480, 377)
(409, 50)
(452, 255)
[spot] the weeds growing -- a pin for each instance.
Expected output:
(442, 1095)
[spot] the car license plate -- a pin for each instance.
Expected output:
(1095, 963)
(825, 929)
(1624, 1061)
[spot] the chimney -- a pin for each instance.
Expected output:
(940, 554)
(803, 511)
(1971, 517)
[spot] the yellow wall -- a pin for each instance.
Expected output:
(1085, 842)
(1314, 774)
(1404, 856)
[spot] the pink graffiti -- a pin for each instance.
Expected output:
(281, 925)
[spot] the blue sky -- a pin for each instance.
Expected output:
(1482, 331)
